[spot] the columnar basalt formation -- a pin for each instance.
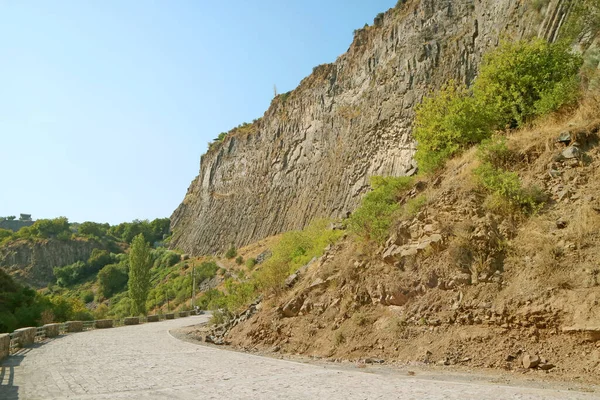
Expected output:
(312, 153)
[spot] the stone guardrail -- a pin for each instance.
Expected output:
(23, 337)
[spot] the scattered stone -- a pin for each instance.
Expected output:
(571, 152)
(560, 224)
(564, 137)
(546, 366)
(530, 361)
(374, 361)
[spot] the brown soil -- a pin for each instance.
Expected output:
(467, 282)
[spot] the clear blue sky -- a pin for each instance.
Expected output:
(107, 105)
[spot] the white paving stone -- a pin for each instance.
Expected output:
(145, 362)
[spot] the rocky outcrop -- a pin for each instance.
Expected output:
(313, 151)
(31, 262)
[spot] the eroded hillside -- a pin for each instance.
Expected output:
(460, 281)
(312, 153)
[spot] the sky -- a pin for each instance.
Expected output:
(106, 106)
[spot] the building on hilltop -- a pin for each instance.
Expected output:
(12, 224)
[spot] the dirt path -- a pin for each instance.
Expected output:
(145, 361)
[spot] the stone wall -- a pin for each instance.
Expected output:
(312, 153)
(4, 345)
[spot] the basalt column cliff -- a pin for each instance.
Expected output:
(312, 153)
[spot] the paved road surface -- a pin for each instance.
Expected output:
(145, 362)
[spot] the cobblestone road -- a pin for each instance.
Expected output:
(145, 362)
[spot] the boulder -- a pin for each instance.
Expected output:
(571, 152)
(530, 361)
(292, 307)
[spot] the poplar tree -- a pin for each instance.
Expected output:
(140, 262)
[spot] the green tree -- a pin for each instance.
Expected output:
(140, 262)
(112, 279)
(93, 229)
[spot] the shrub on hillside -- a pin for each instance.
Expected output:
(372, 220)
(112, 279)
(447, 122)
(525, 79)
(239, 260)
(231, 253)
(294, 249)
(507, 185)
(250, 263)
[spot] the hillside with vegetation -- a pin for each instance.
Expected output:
(488, 257)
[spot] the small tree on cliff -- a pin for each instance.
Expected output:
(140, 262)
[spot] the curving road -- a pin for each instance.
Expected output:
(145, 362)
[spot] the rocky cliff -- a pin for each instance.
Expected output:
(31, 262)
(313, 151)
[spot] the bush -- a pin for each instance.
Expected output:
(522, 80)
(446, 123)
(87, 296)
(250, 263)
(112, 279)
(372, 220)
(507, 185)
(295, 249)
(206, 270)
(239, 260)
(413, 206)
(231, 253)
(69, 274)
(98, 260)
(495, 152)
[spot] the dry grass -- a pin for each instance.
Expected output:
(584, 225)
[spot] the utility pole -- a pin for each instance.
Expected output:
(167, 297)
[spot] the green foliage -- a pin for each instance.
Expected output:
(20, 306)
(492, 175)
(153, 232)
(496, 152)
(164, 259)
(112, 279)
(522, 80)
(140, 262)
(209, 298)
(98, 259)
(446, 123)
(206, 270)
(250, 263)
(372, 220)
(70, 274)
(5, 234)
(48, 228)
(87, 296)
(231, 252)
(295, 249)
(517, 82)
(93, 229)
(239, 260)
(413, 206)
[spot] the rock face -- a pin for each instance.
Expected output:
(32, 262)
(312, 153)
